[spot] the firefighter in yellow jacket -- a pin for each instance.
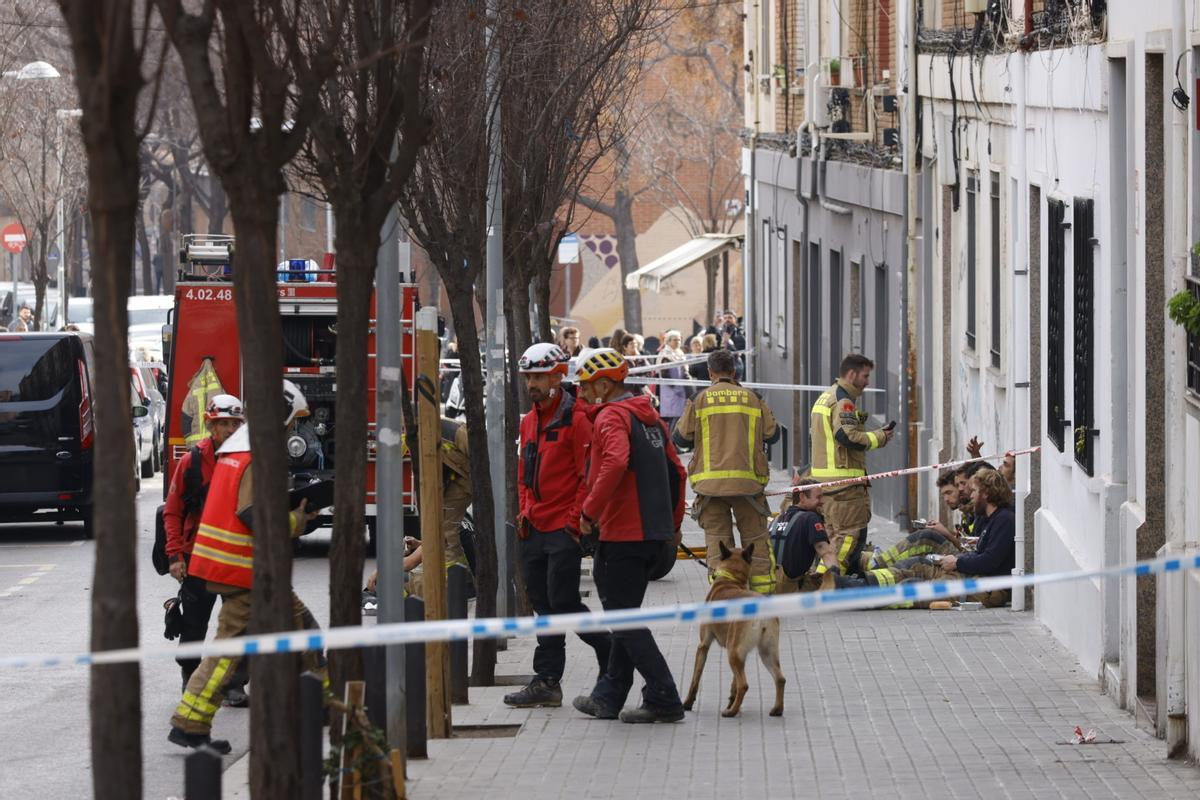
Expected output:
(223, 556)
(839, 450)
(727, 427)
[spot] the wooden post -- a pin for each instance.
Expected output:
(202, 775)
(351, 783)
(433, 546)
(312, 737)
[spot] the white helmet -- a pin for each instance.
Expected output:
(543, 357)
(294, 404)
(224, 406)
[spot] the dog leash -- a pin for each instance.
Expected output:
(688, 552)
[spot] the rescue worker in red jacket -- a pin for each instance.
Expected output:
(223, 555)
(181, 519)
(635, 505)
(551, 473)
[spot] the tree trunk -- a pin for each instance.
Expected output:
(274, 757)
(218, 208)
(108, 79)
(631, 299)
(147, 256)
(358, 248)
(461, 296)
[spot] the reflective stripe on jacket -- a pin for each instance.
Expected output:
(727, 426)
(224, 547)
(839, 443)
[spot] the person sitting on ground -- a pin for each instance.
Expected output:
(799, 538)
(1007, 468)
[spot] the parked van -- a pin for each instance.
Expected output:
(47, 434)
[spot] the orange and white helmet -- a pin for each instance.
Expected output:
(603, 362)
(543, 357)
(224, 406)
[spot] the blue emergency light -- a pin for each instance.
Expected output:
(297, 271)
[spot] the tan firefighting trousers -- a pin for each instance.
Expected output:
(206, 688)
(716, 516)
(456, 497)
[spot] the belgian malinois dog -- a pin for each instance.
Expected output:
(731, 579)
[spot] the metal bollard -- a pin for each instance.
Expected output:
(311, 736)
(414, 674)
(202, 775)
(457, 581)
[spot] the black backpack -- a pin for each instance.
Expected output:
(194, 493)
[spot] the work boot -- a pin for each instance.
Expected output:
(540, 692)
(587, 704)
(236, 697)
(646, 714)
(196, 740)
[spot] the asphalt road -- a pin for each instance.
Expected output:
(45, 591)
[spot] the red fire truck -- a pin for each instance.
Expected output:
(202, 347)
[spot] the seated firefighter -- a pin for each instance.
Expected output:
(456, 499)
(801, 542)
(994, 555)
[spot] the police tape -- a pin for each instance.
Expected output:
(786, 387)
(899, 473)
(781, 605)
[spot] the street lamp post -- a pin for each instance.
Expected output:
(63, 299)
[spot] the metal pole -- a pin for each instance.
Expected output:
(1018, 372)
(62, 252)
(912, 283)
(494, 339)
(389, 421)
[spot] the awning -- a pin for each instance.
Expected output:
(703, 247)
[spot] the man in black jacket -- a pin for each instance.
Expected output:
(995, 554)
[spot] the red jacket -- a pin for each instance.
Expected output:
(181, 525)
(552, 463)
(631, 496)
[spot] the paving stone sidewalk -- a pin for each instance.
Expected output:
(879, 703)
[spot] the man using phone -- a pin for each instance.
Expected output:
(840, 443)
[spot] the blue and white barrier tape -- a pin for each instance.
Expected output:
(782, 605)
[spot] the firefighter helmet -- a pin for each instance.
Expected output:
(601, 363)
(543, 357)
(294, 404)
(224, 406)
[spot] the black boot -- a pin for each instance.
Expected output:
(646, 714)
(236, 697)
(539, 693)
(194, 740)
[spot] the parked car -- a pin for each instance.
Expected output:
(147, 392)
(27, 295)
(144, 422)
(47, 432)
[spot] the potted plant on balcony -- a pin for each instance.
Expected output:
(1184, 310)
(835, 72)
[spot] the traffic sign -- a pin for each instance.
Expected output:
(13, 238)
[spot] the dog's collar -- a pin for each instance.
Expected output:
(729, 576)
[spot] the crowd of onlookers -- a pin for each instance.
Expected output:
(675, 357)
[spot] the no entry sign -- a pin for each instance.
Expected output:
(13, 238)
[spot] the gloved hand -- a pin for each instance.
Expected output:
(589, 541)
(522, 526)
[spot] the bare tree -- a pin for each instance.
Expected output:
(363, 148)
(108, 75)
(444, 209)
(41, 164)
(690, 145)
(253, 72)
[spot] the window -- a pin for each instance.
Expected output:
(1055, 329)
(308, 213)
(816, 375)
(1084, 343)
(880, 356)
(766, 249)
(972, 191)
(778, 326)
(1193, 343)
(836, 302)
(995, 231)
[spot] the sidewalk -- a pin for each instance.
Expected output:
(879, 703)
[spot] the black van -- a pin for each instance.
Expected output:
(47, 434)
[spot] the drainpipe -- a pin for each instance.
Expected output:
(751, 250)
(912, 283)
(819, 166)
(1175, 634)
(1018, 371)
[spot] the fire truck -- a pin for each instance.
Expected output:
(204, 358)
